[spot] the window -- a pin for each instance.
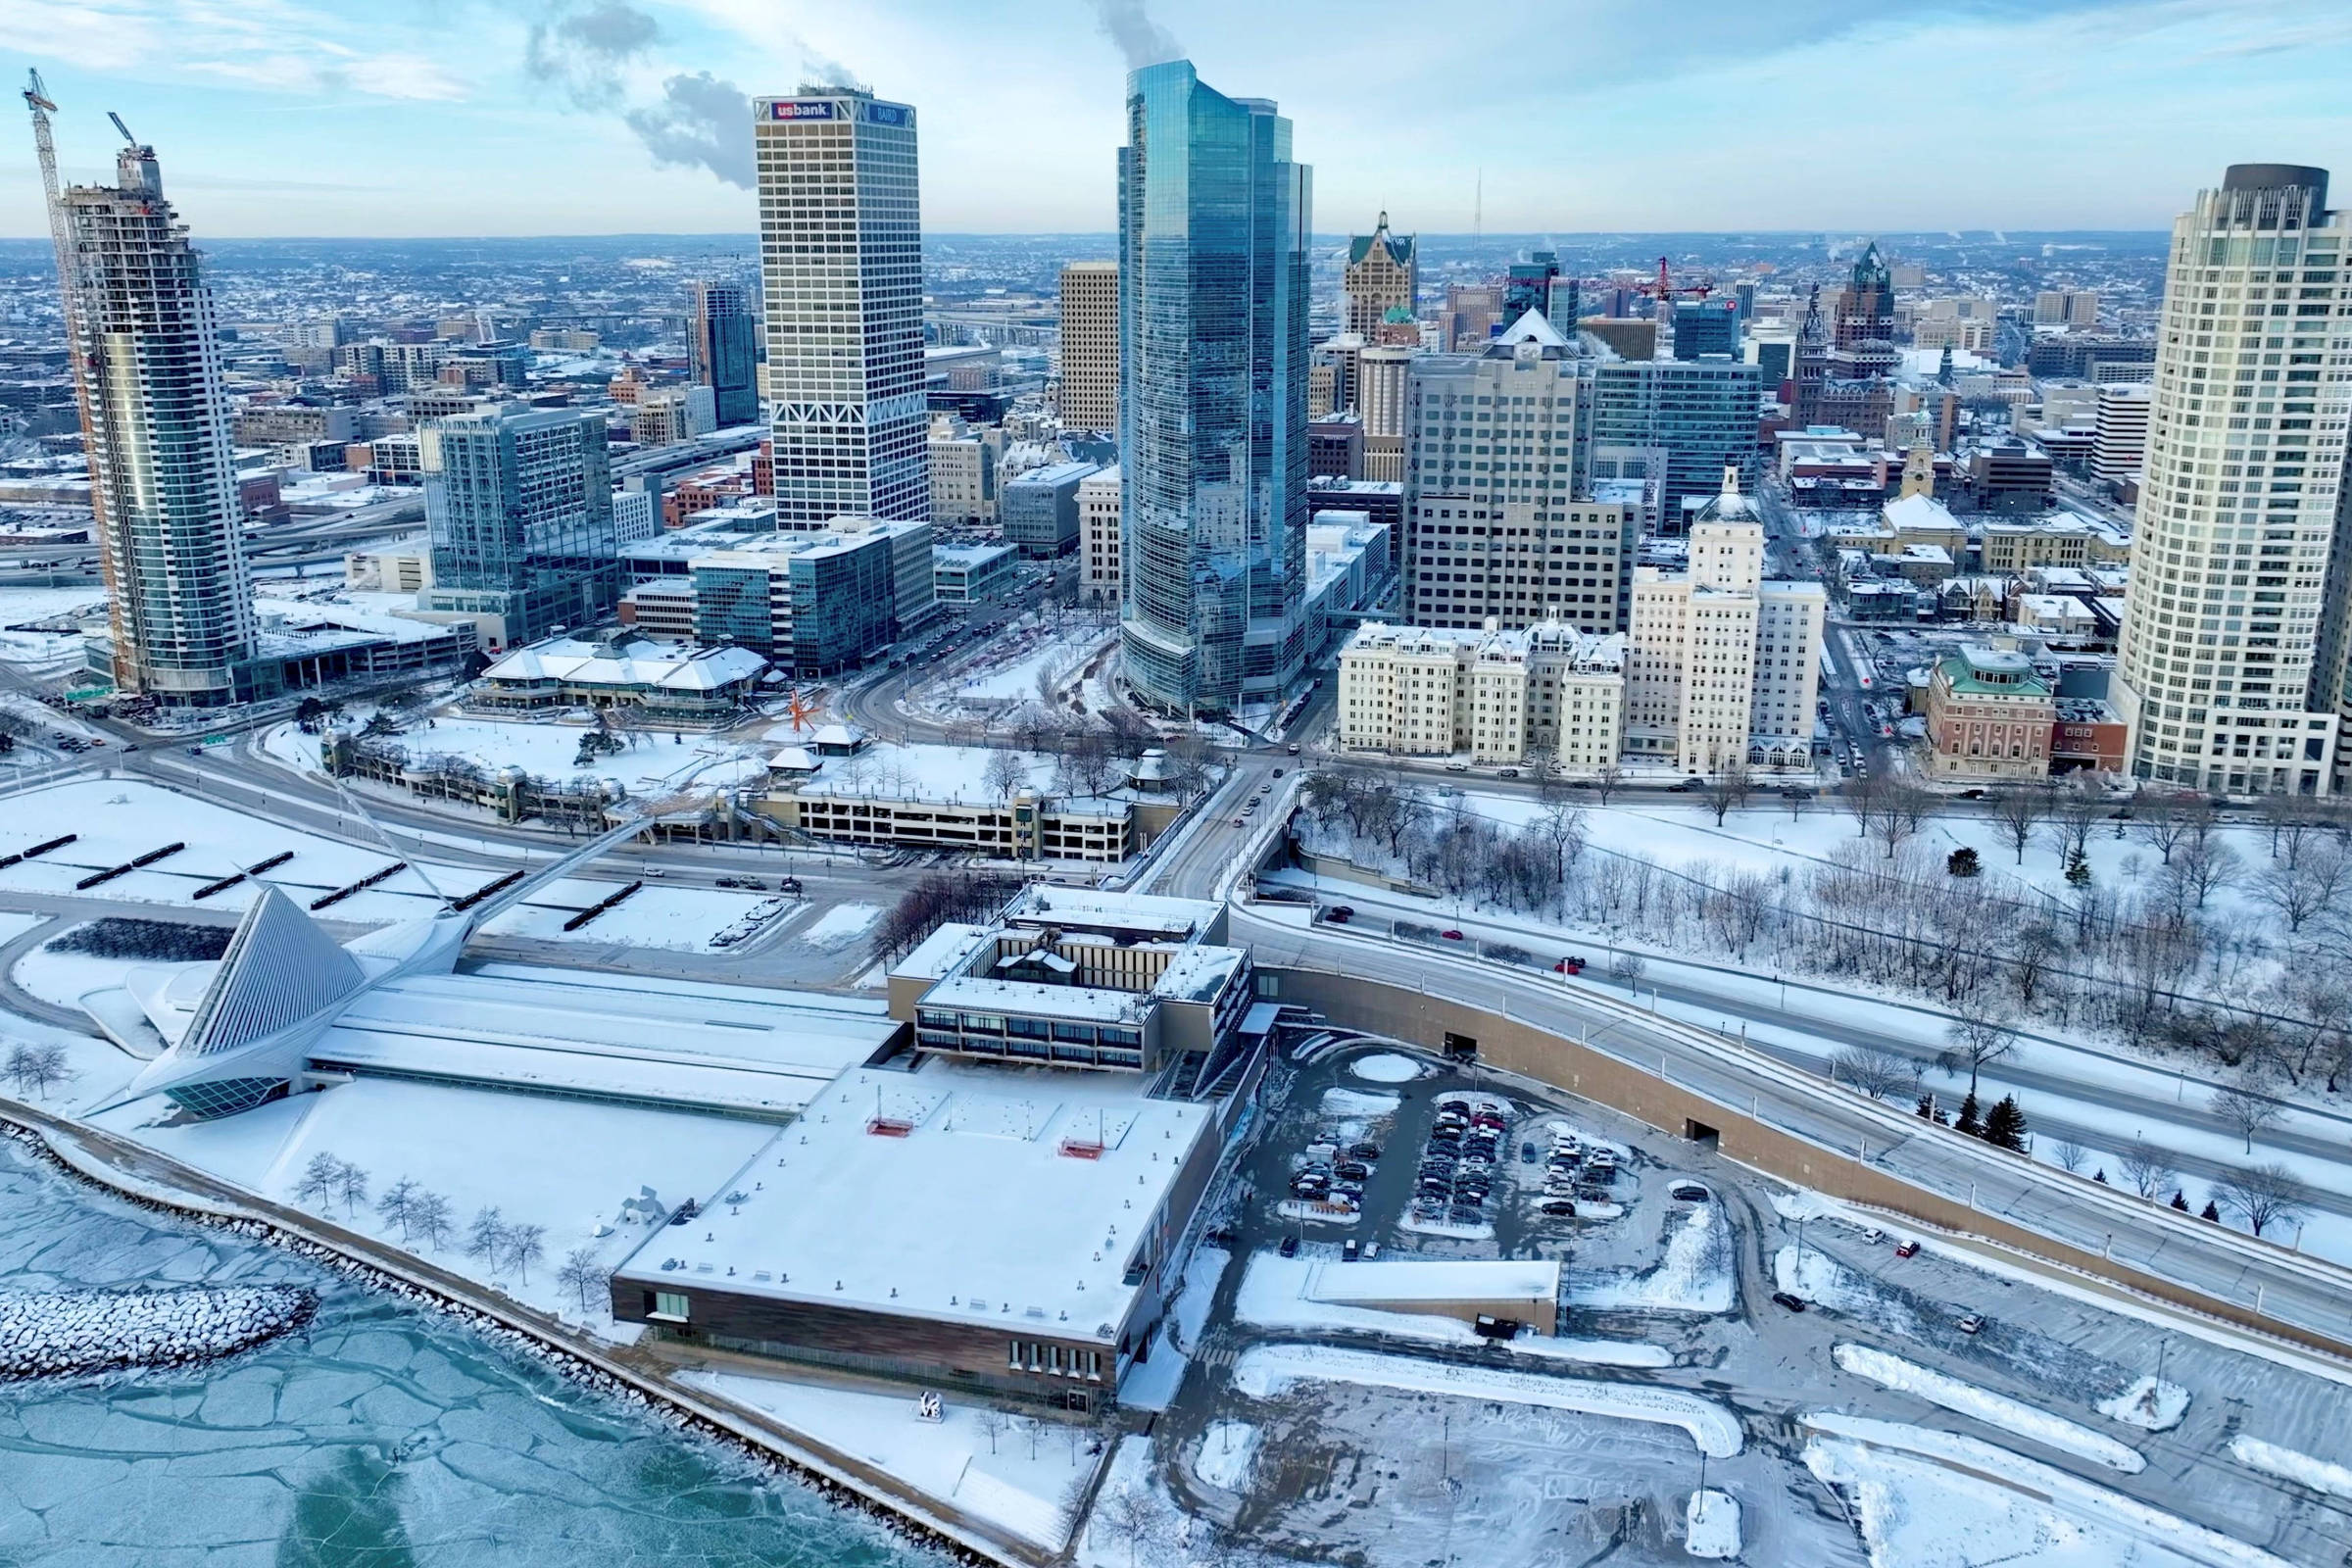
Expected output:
(669, 1305)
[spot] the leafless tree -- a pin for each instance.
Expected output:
(1903, 809)
(1874, 1070)
(2032, 952)
(579, 1273)
(2161, 816)
(1981, 1039)
(2020, 813)
(2148, 1168)
(1728, 788)
(1003, 773)
(525, 1245)
(1561, 829)
(2263, 1194)
(1607, 779)
(2245, 1112)
(2294, 824)
(428, 1217)
(2069, 1155)
(2308, 884)
(1861, 798)
(1628, 967)
(351, 1187)
(993, 1423)
(2205, 866)
(398, 1206)
(1189, 766)
(36, 1067)
(317, 1183)
(2075, 813)
(1126, 1512)
(486, 1238)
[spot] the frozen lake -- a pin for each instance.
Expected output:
(380, 1436)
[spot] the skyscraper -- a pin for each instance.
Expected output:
(841, 261)
(156, 427)
(1701, 412)
(1383, 274)
(2232, 666)
(519, 505)
(719, 338)
(1089, 346)
(1214, 295)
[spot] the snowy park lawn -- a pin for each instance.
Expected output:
(1007, 670)
(681, 919)
(63, 979)
(1937, 1499)
(658, 761)
(1019, 1478)
(567, 1166)
(1695, 1275)
(1997, 1410)
(1265, 1371)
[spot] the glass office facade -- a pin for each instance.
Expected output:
(519, 505)
(1213, 294)
(1701, 412)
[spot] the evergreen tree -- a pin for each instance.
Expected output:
(2180, 1201)
(2078, 869)
(2005, 1127)
(1962, 862)
(1969, 1121)
(2100, 1176)
(2210, 1212)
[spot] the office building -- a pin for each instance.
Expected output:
(1706, 326)
(1500, 695)
(1334, 446)
(1724, 668)
(2232, 668)
(817, 603)
(1990, 716)
(2066, 307)
(147, 372)
(2122, 443)
(1040, 510)
(842, 267)
(1701, 412)
(1383, 275)
(1099, 506)
(1089, 346)
(968, 574)
(1380, 397)
(723, 347)
(1214, 237)
(2091, 357)
(1862, 320)
(1473, 313)
(671, 417)
(964, 471)
(518, 502)
(1537, 285)
(1492, 468)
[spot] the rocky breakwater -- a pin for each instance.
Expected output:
(59, 1333)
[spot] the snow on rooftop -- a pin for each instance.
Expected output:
(1043, 901)
(947, 1194)
(670, 665)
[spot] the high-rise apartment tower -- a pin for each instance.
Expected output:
(519, 505)
(841, 263)
(2232, 671)
(721, 339)
(1089, 346)
(155, 422)
(1213, 295)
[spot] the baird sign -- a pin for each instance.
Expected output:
(801, 108)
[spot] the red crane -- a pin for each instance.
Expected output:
(1665, 288)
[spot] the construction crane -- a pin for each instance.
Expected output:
(37, 99)
(129, 140)
(1665, 288)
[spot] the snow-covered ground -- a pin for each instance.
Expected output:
(1695, 1276)
(1019, 1473)
(1386, 1067)
(655, 764)
(1936, 1499)
(841, 925)
(567, 1166)
(681, 919)
(1007, 670)
(1277, 1293)
(1264, 1371)
(63, 979)
(1996, 1410)
(1711, 1524)
(2147, 1404)
(1228, 1451)
(2320, 1475)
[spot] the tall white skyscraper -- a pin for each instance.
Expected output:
(841, 261)
(154, 423)
(2232, 652)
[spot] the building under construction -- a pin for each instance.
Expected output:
(154, 423)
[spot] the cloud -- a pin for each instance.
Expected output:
(1142, 40)
(700, 123)
(580, 47)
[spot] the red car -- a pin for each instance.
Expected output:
(1906, 1248)
(1451, 936)
(1569, 966)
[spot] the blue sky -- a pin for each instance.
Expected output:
(521, 117)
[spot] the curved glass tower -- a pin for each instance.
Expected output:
(1213, 220)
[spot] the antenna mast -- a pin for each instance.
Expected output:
(37, 100)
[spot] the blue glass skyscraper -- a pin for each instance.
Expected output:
(1213, 222)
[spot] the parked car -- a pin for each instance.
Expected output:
(1352, 1170)
(1557, 1208)
(1341, 914)
(1351, 1251)
(1795, 1303)
(1527, 1153)
(1906, 1248)
(1365, 1152)
(1290, 1245)
(1572, 964)
(1451, 936)
(1687, 1193)
(1972, 1323)
(1506, 772)
(1457, 767)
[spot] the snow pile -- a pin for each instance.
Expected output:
(1355, 1102)
(1936, 1499)
(2148, 1404)
(842, 925)
(1386, 1068)
(1276, 1291)
(50, 1334)
(1266, 1370)
(1695, 1277)
(2012, 1416)
(2288, 1465)
(1228, 1451)
(1711, 1525)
